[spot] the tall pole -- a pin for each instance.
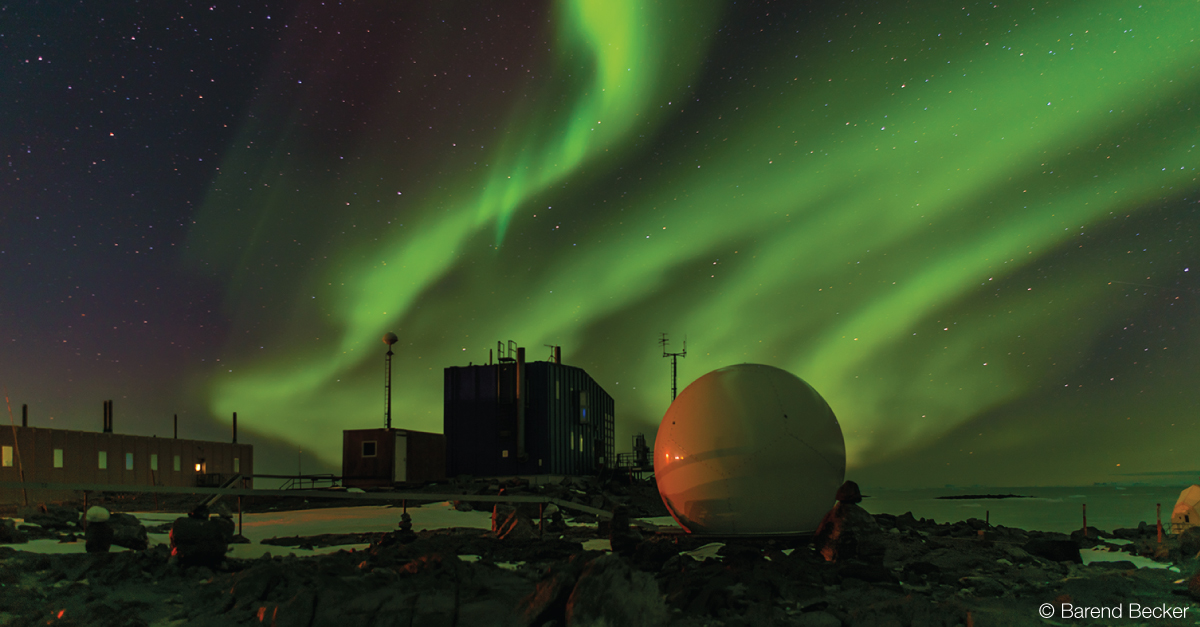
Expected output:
(389, 339)
(674, 363)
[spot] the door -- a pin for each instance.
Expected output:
(400, 474)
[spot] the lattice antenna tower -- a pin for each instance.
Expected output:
(674, 362)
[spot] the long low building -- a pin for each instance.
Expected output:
(62, 456)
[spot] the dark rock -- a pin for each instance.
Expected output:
(1189, 542)
(870, 573)
(1117, 565)
(128, 532)
(843, 529)
(982, 586)
(510, 524)
(914, 571)
(610, 592)
(9, 533)
(55, 517)
(906, 521)
(548, 601)
(1054, 550)
(197, 540)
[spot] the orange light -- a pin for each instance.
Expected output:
(60, 612)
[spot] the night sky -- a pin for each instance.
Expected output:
(971, 227)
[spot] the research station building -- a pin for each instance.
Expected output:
(526, 418)
(106, 458)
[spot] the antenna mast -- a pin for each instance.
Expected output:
(674, 362)
(389, 339)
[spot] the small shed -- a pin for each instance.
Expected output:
(386, 457)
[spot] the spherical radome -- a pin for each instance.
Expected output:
(749, 449)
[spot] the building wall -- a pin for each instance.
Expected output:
(426, 455)
(35, 448)
(480, 421)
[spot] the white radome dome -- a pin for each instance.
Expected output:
(749, 449)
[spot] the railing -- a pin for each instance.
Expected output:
(314, 482)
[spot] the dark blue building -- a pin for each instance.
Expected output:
(518, 418)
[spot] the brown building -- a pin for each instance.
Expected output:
(386, 457)
(60, 456)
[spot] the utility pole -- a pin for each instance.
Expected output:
(674, 362)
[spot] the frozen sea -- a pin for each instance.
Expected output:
(1044, 509)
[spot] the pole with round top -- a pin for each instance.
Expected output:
(389, 338)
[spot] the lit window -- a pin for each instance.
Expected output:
(369, 448)
(176, 463)
(197, 467)
(58, 460)
(103, 461)
(237, 465)
(154, 461)
(6, 453)
(504, 453)
(129, 461)
(572, 440)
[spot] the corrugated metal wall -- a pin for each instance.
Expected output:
(569, 421)
(127, 458)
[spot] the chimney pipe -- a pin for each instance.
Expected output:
(235, 427)
(24, 415)
(176, 426)
(106, 427)
(558, 354)
(520, 405)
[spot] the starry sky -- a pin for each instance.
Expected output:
(970, 226)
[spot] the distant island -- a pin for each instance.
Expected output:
(985, 496)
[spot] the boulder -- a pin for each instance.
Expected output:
(9, 533)
(128, 531)
(1189, 542)
(55, 518)
(610, 592)
(508, 523)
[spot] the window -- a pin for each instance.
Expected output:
(176, 463)
(129, 461)
(6, 456)
(154, 461)
(103, 461)
(369, 448)
(504, 453)
(572, 440)
(583, 409)
(237, 465)
(58, 461)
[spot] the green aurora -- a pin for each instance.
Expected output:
(929, 216)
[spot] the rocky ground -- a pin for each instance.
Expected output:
(905, 572)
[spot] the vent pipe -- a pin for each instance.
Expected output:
(176, 426)
(558, 354)
(24, 415)
(108, 417)
(520, 404)
(235, 427)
